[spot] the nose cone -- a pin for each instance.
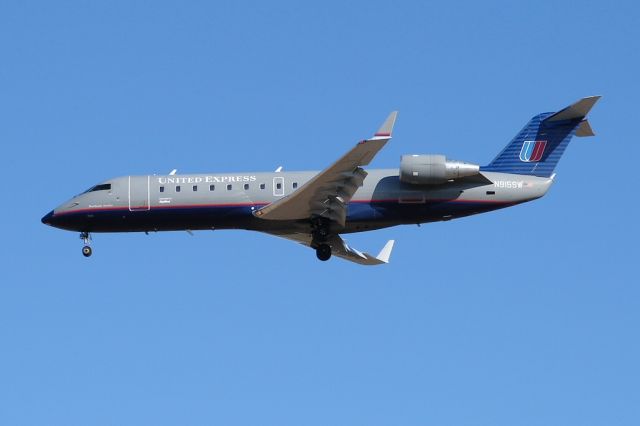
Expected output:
(46, 219)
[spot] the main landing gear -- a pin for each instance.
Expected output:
(86, 238)
(321, 229)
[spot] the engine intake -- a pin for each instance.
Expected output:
(433, 169)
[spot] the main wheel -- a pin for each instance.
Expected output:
(323, 251)
(86, 251)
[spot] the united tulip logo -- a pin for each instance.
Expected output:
(532, 151)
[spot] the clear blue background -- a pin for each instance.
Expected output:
(524, 316)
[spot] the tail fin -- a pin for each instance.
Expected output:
(537, 148)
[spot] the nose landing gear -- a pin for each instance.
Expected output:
(86, 238)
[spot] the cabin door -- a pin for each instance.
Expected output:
(139, 193)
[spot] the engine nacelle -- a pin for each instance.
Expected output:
(433, 169)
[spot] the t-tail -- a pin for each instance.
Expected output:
(537, 148)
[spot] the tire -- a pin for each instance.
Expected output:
(86, 251)
(323, 252)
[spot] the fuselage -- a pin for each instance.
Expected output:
(229, 200)
(314, 208)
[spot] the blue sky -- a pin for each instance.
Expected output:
(525, 316)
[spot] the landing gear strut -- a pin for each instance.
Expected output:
(86, 238)
(320, 231)
(323, 251)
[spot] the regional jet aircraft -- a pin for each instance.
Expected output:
(316, 208)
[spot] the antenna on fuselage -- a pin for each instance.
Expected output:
(279, 169)
(173, 172)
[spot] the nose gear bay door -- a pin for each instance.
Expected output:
(139, 195)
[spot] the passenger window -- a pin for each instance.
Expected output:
(195, 188)
(262, 186)
(162, 189)
(229, 187)
(212, 187)
(178, 188)
(279, 185)
(295, 185)
(246, 186)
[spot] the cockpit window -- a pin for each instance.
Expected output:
(101, 187)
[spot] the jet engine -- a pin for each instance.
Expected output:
(433, 169)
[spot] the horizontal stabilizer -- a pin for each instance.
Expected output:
(584, 129)
(578, 110)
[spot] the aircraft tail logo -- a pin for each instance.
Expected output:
(532, 151)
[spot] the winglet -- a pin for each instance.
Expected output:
(579, 109)
(387, 127)
(385, 253)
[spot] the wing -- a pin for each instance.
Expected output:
(340, 248)
(328, 193)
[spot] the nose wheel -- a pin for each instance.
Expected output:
(86, 238)
(86, 251)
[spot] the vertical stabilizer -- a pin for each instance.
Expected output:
(537, 148)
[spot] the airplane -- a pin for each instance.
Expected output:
(316, 208)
